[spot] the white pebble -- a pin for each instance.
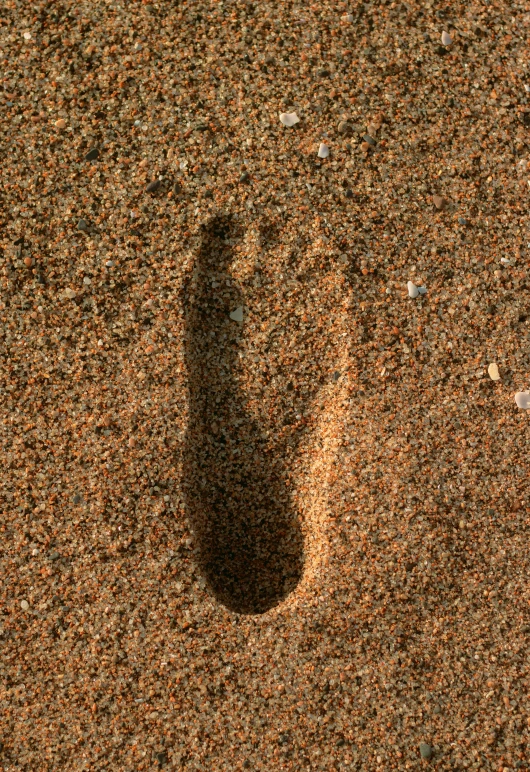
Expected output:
(413, 290)
(27, 35)
(527, 88)
(24, 605)
(522, 399)
(347, 18)
(100, 342)
(446, 39)
(323, 151)
(237, 315)
(505, 260)
(109, 263)
(289, 119)
(87, 280)
(69, 293)
(493, 372)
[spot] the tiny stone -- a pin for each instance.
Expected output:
(323, 73)
(70, 293)
(348, 193)
(54, 556)
(522, 400)
(24, 605)
(244, 177)
(109, 263)
(87, 280)
(132, 442)
(412, 289)
(28, 262)
(60, 124)
(345, 127)
(77, 498)
(441, 50)
(371, 141)
(446, 39)
(289, 119)
(153, 186)
(237, 315)
(462, 221)
(347, 18)
(493, 372)
(82, 225)
(27, 35)
(323, 151)
(439, 202)
(177, 189)
(425, 751)
(92, 155)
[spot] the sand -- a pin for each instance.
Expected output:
(260, 508)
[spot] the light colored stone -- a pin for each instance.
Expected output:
(493, 372)
(412, 289)
(323, 151)
(289, 119)
(522, 399)
(237, 315)
(24, 605)
(446, 39)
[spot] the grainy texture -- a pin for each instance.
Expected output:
(300, 540)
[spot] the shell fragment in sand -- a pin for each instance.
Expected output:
(493, 372)
(446, 39)
(289, 119)
(522, 399)
(237, 315)
(323, 151)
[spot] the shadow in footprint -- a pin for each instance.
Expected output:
(247, 532)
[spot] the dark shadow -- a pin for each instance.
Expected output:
(246, 531)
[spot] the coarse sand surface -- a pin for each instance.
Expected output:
(264, 496)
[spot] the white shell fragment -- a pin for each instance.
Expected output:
(237, 315)
(446, 39)
(413, 290)
(289, 119)
(522, 399)
(493, 372)
(323, 151)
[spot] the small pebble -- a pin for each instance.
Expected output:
(70, 293)
(345, 127)
(27, 35)
(109, 263)
(439, 202)
(462, 221)
(323, 151)
(493, 372)
(347, 18)
(87, 280)
(425, 751)
(446, 39)
(237, 315)
(60, 124)
(412, 289)
(244, 177)
(289, 119)
(82, 225)
(522, 399)
(24, 605)
(153, 186)
(132, 442)
(371, 141)
(92, 155)
(28, 262)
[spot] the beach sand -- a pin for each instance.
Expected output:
(260, 508)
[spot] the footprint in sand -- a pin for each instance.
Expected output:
(264, 400)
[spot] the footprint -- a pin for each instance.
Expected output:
(246, 431)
